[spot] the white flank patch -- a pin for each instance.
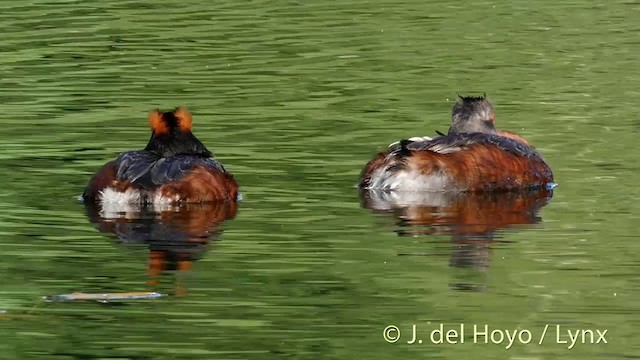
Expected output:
(112, 196)
(116, 203)
(133, 196)
(162, 201)
(118, 211)
(387, 200)
(411, 180)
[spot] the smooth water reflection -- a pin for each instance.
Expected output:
(474, 220)
(294, 98)
(176, 236)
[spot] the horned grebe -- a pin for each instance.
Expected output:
(473, 156)
(175, 167)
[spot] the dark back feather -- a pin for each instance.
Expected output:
(457, 142)
(147, 170)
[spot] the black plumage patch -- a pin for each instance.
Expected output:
(464, 140)
(177, 143)
(145, 169)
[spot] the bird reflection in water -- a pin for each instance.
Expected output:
(176, 235)
(473, 220)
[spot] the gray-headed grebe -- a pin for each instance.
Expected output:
(473, 156)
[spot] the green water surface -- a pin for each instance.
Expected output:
(294, 97)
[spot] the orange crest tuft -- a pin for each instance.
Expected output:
(157, 123)
(184, 117)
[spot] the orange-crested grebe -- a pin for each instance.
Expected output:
(175, 167)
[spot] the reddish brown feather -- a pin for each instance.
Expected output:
(158, 125)
(372, 165)
(184, 118)
(483, 167)
(105, 177)
(202, 185)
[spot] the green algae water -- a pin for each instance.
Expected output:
(294, 98)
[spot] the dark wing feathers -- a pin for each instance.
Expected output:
(133, 165)
(169, 170)
(149, 171)
(461, 141)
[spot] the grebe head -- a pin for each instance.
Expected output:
(171, 134)
(473, 115)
